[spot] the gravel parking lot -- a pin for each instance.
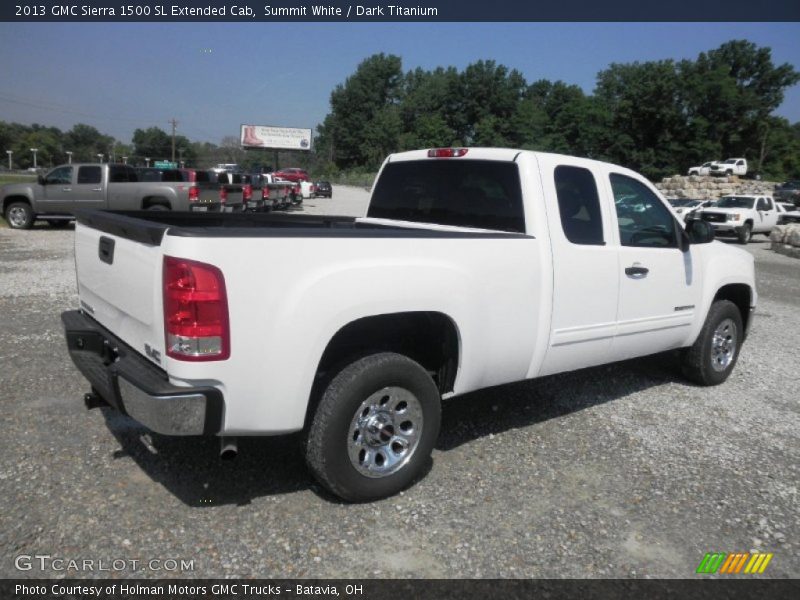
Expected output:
(618, 471)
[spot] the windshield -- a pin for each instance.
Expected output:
(736, 202)
(676, 202)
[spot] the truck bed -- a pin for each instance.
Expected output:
(150, 227)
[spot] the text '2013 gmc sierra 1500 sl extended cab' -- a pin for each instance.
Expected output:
(473, 267)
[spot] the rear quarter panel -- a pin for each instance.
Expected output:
(287, 302)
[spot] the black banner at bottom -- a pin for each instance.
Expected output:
(399, 589)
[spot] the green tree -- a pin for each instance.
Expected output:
(153, 143)
(491, 94)
(47, 141)
(348, 131)
(85, 142)
(646, 116)
(432, 108)
(730, 94)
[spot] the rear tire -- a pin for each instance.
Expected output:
(19, 215)
(157, 207)
(710, 360)
(374, 428)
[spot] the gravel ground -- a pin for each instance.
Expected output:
(619, 471)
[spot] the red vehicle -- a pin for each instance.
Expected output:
(292, 174)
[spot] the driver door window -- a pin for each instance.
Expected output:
(61, 175)
(642, 218)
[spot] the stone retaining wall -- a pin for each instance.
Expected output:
(703, 187)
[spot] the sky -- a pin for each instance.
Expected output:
(212, 77)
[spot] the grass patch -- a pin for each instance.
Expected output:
(357, 178)
(8, 178)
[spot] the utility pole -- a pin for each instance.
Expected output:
(174, 125)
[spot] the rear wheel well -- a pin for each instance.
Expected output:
(152, 201)
(428, 338)
(741, 295)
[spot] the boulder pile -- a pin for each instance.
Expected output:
(705, 187)
(786, 239)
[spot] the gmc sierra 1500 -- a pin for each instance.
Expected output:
(67, 188)
(473, 267)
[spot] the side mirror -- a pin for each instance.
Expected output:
(40, 180)
(699, 232)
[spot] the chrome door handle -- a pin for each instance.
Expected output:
(66, 189)
(97, 189)
(637, 271)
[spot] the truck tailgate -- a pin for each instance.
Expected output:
(119, 284)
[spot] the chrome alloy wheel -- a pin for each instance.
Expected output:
(17, 216)
(384, 432)
(723, 345)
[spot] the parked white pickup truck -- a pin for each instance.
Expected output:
(732, 166)
(742, 216)
(704, 169)
(472, 268)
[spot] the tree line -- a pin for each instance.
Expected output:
(84, 143)
(657, 117)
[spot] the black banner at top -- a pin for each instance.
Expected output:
(396, 10)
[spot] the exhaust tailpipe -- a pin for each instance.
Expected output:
(228, 448)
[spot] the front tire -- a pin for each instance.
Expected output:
(745, 233)
(19, 215)
(710, 360)
(374, 428)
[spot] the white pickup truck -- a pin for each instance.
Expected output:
(732, 166)
(742, 215)
(471, 268)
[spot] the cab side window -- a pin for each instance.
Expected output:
(579, 205)
(119, 174)
(643, 219)
(61, 175)
(89, 175)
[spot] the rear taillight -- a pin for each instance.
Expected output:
(194, 194)
(223, 195)
(446, 152)
(247, 192)
(265, 193)
(196, 323)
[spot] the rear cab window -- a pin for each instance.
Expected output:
(579, 205)
(482, 194)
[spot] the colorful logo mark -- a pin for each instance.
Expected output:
(734, 563)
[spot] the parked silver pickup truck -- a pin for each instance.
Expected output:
(56, 195)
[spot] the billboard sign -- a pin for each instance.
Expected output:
(276, 138)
